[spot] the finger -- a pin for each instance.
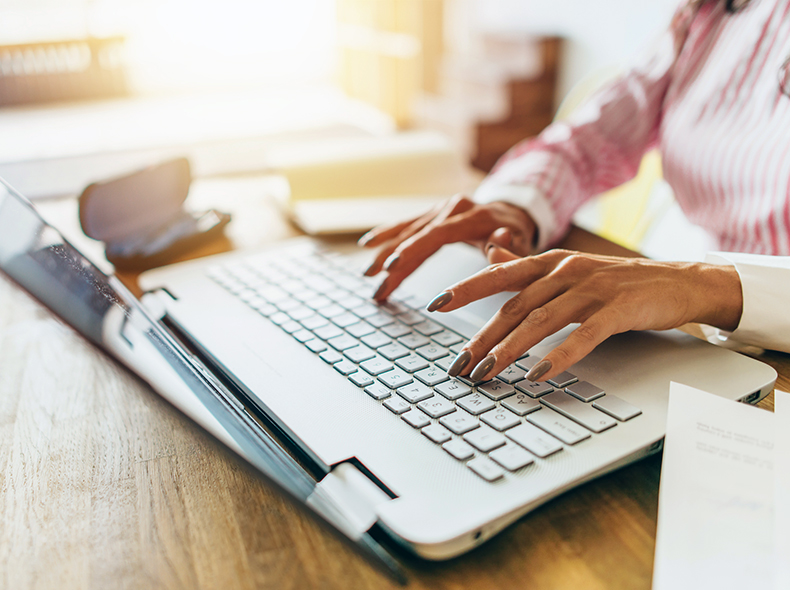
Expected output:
(513, 275)
(581, 342)
(498, 255)
(502, 237)
(501, 344)
(379, 235)
(389, 247)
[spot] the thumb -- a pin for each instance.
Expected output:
(501, 237)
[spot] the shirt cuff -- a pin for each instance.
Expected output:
(527, 197)
(764, 281)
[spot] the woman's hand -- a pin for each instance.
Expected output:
(405, 246)
(605, 294)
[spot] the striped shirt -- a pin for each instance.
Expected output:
(710, 98)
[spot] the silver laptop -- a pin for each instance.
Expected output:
(347, 406)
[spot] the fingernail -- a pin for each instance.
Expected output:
(539, 370)
(439, 301)
(482, 368)
(381, 289)
(391, 262)
(459, 363)
(488, 247)
(365, 239)
(370, 271)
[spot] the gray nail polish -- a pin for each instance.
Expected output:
(439, 301)
(482, 368)
(381, 289)
(369, 270)
(539, 370)
(459, 363)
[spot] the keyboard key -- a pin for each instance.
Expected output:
(396, 330)
(377, 366)
(331, 311)
(365, 311)
(437, 433)
(267, 309)
(476, 403)
(486, 468)
(394, 307)
(376, 339)
(500, 419)
(459, 449)
(393, 351)
(447, 338)
(280, 318)
(453, 389)
(526, 363)
(287, 305)
(318, 302)
(416, 418)
(341, 343)
(415, 392)
(432, 351)
(314, 321)
(412, 363)
(361, 329)
(378, 391)
(328, 331)
(432, 376)
(558, 426)
(578, 411)
(350, 301)
(397, 405)
(291, 326)
(534, 388)
(521, 404)
(563, 379)
(413, 340)
(316, 345)
(444, 363)
(411, 317)
(360, 379)
(436, 406)
(616, 407)
(344, 319)
(358, 354)
(300, 313)
(534, 440)
(427, 328)
(305, 295)
(512, 457)
(460, 422)
(457, 348)
(331, 356)
(345, 367)
(512, 374)
(395, 378)
(303, 335)
(484, 439)
(380, 319)
(585, 391)
(496, 390)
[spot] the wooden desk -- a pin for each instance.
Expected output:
(105, 485)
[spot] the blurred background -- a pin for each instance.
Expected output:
(93, 80)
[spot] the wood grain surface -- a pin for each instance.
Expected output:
(105, 485)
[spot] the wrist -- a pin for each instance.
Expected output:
(719, 296)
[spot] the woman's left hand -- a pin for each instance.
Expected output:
(605, 294)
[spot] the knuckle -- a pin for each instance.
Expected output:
(499, 275)
(586, 334)
(537, 317)
(562, 356)
(513, 308)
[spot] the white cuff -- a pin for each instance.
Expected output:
(527, 197)
(764, 284)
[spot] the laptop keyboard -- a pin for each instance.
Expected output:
(399, 357)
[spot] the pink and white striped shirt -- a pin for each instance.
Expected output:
(710, 98)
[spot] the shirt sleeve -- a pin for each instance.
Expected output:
(600, 146)
(765, 280)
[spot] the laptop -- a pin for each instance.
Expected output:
(346, 405)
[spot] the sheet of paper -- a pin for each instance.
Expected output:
(715, 517)
(782, 487)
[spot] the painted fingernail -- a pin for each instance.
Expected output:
(459, 363)
(365, 239)
(489, 246)
(382, 288)
(391, 262)
(370, 271)
(440, 301)
(539, 370)
(482, 368)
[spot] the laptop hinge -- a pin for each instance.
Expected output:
(354, 495)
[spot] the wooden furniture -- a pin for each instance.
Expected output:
(105, 485)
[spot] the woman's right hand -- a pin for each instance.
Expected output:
(405, 246)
